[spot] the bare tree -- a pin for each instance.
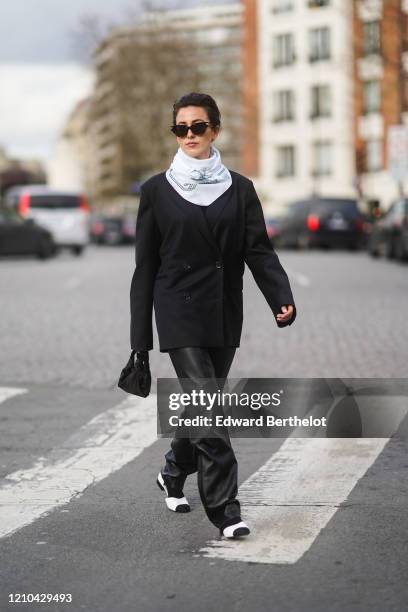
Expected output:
(144, 68)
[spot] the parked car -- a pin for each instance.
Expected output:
(96, 227)
(389, 235)
(113, 229)
(65, 214)
(19, 236)
(323, 222)
(272, 228)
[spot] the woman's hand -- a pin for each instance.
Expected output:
(287, 314)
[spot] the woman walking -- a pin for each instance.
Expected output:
(198, 224)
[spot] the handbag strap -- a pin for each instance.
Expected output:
(131, 361)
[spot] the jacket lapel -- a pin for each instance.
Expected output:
(199, 220)
(224, 203)
(203, 224)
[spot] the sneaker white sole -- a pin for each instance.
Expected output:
(236, 531)
(175, 504)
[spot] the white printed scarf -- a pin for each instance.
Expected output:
(200, 181)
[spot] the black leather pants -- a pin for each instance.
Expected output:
(212, 458)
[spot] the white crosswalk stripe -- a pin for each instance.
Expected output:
(9, 392)
(286, 502)
(95, 451)
(292, 497)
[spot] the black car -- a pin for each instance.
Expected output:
(19, 236)
(113, 229)
(272, 228)
(389, 235)
(323, 222)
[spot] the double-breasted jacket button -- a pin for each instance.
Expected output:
(187, 266)
(187, 296)
(218, 264)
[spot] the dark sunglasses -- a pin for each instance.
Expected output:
(181, 130)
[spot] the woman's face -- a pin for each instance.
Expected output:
(195, 146)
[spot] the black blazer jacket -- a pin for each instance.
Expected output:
(192, 274)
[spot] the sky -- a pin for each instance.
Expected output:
(43, 67)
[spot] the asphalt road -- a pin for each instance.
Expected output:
(90, 520)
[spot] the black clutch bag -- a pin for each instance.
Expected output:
(135, 377)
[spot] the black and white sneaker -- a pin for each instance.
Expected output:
(175, 500)
(236, 531)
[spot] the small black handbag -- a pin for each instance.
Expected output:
(135, 377)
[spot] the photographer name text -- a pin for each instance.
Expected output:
(259, 421)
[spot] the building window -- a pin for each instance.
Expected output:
(319, 44)
(372, 96)
(283, 105)
(321, 104)
(283, 50)
(322, 151)
(318, 3)
(282, 6)
(371, 37)
(374, 155)
(285, 161)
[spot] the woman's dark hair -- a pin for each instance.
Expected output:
(199, 99)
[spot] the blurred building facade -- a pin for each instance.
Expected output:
(381, 92)
(141, 70)
(72, 166)
(325, 95)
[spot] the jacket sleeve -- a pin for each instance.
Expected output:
(147, 257)
(263, 261)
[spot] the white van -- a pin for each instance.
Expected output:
(65, 214)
